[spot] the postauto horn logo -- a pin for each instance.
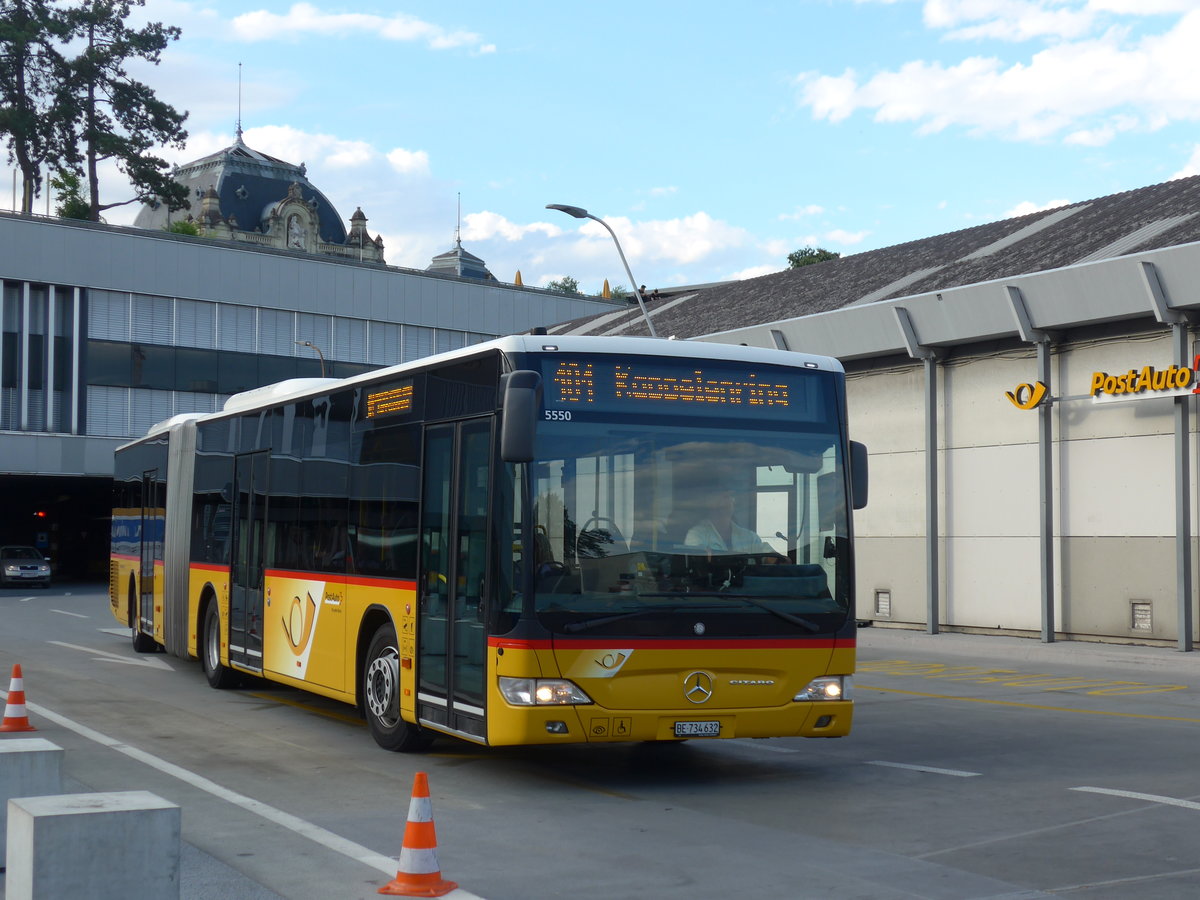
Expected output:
(1147, 378)
(1027, 396)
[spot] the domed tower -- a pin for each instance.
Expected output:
(241, 194)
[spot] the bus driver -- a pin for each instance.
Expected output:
(719, 532)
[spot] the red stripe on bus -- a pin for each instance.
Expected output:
(359, 580)
(674, 643)
(210, 567)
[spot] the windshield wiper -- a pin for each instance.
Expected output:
(812, 627)
(604, 620)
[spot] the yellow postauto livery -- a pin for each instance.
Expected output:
(530, 541)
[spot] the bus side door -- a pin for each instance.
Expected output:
(454, 561)
(248, 559)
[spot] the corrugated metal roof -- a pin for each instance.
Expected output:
(1161, 215)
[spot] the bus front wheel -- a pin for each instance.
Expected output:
(218, 676)
(381, 695)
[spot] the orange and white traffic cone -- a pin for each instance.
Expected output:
(15, 716)
(419, 874)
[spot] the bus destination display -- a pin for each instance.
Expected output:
(645, 385)
(391, 401)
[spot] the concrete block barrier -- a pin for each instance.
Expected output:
(101, 846)
(29, 767)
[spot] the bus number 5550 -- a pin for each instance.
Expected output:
(558, 415)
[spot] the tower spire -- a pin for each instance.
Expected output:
(239, 118)
(458, 226)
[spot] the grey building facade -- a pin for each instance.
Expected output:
(108, 330)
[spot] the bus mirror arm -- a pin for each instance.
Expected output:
(858, 474)
(521, 393)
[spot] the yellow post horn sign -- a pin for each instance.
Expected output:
(1027, 396)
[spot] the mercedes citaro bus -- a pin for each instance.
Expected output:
(534, 540)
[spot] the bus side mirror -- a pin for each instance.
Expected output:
(858, 474)
(522, 398)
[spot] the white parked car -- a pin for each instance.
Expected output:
(23, 565)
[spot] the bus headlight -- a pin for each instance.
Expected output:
(542, 692)
(827, 687)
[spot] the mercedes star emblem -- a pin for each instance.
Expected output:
(697, 687)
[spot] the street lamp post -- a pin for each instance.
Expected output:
(313, 346)
(580, 213)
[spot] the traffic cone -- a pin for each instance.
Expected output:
(419, 874)
(15, 716)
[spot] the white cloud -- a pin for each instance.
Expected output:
(841, 236)
(296, 146)
(1007, 20)
(409, 162)
(663, 191)
(304, 19)
(801, 211)
(486, 226)
(685, 240)
(1087, 89)
(754, 272)
(1142, 7)
(1192, 167)
(1026, 207)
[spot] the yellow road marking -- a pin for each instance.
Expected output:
(1067, 709)
(1014, 678)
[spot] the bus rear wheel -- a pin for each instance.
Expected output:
(381, 697)
(218, 675)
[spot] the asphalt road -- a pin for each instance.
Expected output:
(979, 767)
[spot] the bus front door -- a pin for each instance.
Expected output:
(454, 561)
(248, 562)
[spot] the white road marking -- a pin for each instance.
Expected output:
(279, 817)
(101, 656)
(119, 632)
(1134, 795)
(933, 770)
(63, 612)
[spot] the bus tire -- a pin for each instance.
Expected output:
(142, 642)
(381, 697)
(218, 675)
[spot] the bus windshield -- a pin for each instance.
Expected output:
(710, 526)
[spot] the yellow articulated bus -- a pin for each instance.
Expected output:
(535, 540)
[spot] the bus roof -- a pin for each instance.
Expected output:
(299, 388)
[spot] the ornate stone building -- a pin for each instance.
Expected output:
(241, 194)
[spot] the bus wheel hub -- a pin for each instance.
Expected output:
(383, 677)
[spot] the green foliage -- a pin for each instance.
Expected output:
(71, 204)
(33, 125)
(182, 226)
(564, 285)
(115, 116)
(807, 256)
(68, 103)
(620, 292)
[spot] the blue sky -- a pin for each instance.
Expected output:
(715, 138)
